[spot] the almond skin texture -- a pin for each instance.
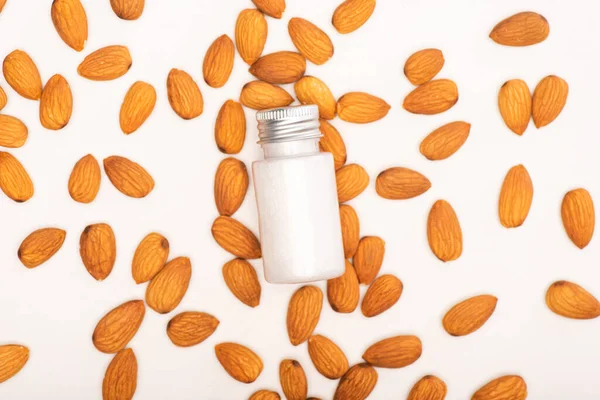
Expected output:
(400, 183)
(368, 258)
(357, 383)
(311, 90)
(578, 216)
(235, 238)
(13, 132)
(106, 64)
(443, 232)
(259, 95)
(150, 257)
(514, 102)
(350, 230)
(191, 328)
(333, 143)
(14, 179)
(352, 14)
(241, 363)
(304, 311)
(423, 66)
(56, 103)
(516, 197)
(242, 280)
(3, 99)
(98, 250)
(328, 358)
(128, 9)
(2, 4)
(137, 106)
(184, 94)
(508, 387)
(293, 380)
(445, 140)
(168, 287)
(119, 326)
(22, 75)
(522, 29)
(383, 293)
(272, 8)
(394, 352)
(251, 30)
(70, 21)
(433, 97)
(128, 177)
(361, 108)
(280, 67)
(231, 185)
(343, 293)
(428, 387)
(265, 395)
(120, 379)
(84, 182)
(311, 42)
(218, 62)
(12, 359)
(549, 99)
(469, 315)
(570, 300)
(40, 246)
(230, 128)
(352, 180)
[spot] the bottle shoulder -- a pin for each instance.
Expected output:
(304, 158)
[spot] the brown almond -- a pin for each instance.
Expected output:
(241, 363)
(280, 67)
(128, 10)
(400, 183)
(260, 95)
(98, 250)
(12, 359)
(311, 90)
(14, 179)
(231, 185)
(70, 21)
(343, 293)
(516, 197)
(310, 40)
(508, 387)
(445, 140)
(350, 230)
(328, 358)
(514, 102)
(578, 216)
(106, 64)
(352, 14)
(84, 182)
(128, 177)
(333, 143)
(230, 128)
(423, 66)
(394, 352)
(549, 99)
(56, 103)
(357, 383)
(167, 288)
(361, 108)
(22, 75)
(2, 4)
(120, 379)
(242, 280)
(352, 180)
(191, 328)
(251, 30)
(235, 238)
(433, 97)
(119, 326)
(137, 106)
(3, 98)
(273, 8)
(184, 94)
(150, 257)
(469, 315)
(304, 311)
(218, 62)
(13, 132)
(570, 300)
(428, 387)
(369, 258)
(382, 294)
(443, 232)
(265, 395)
(522, 29)
(293, 380)
(40, 245)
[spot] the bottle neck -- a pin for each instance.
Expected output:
(292, 148)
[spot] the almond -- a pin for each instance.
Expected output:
(39, 246)
(251, 31)
(191, 328)
(260, 95)
(311, 90)
(106, 64)
(14, 179)
(2, 4)
(508, 387)
(273, 8)
(311, 42)
(150, 257)
(184, 94)
(516, 197)
(394, 352)
(578, 216)
(361, 108)
(433, 97)
(352, 14)
(383, 293)
(241, 363)
(549, 99)
(230, 128)
(22, 75)
(98, 250)
(343, 293)
(218, 62)
(71, 23)
(241, 279)
(350, 230)
(3, 98)
(423, 66)
(357, 383)
(168, 287)
(279, 68)
(522, 29)
(293, 380)
(12, 359)
(137, 106)
(570, 300)
(304, 311)
(119, 326)
(333, 143)
(235, 238)
(443, 232)
(352, 180)
(328, 358)
(428, 387)
(231, 185)
(13, 132)
(368, 258)
(469, 315)
(445, 140)
(120, 379)
(56, 103)
(128, 9)
(128, 177)
(400, 183)
(84, 182)
(265, 395)
(514, 102)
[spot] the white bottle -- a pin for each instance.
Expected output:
(297, 200)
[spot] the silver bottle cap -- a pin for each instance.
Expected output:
(288, 123)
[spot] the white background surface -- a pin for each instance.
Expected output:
(53, 309)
